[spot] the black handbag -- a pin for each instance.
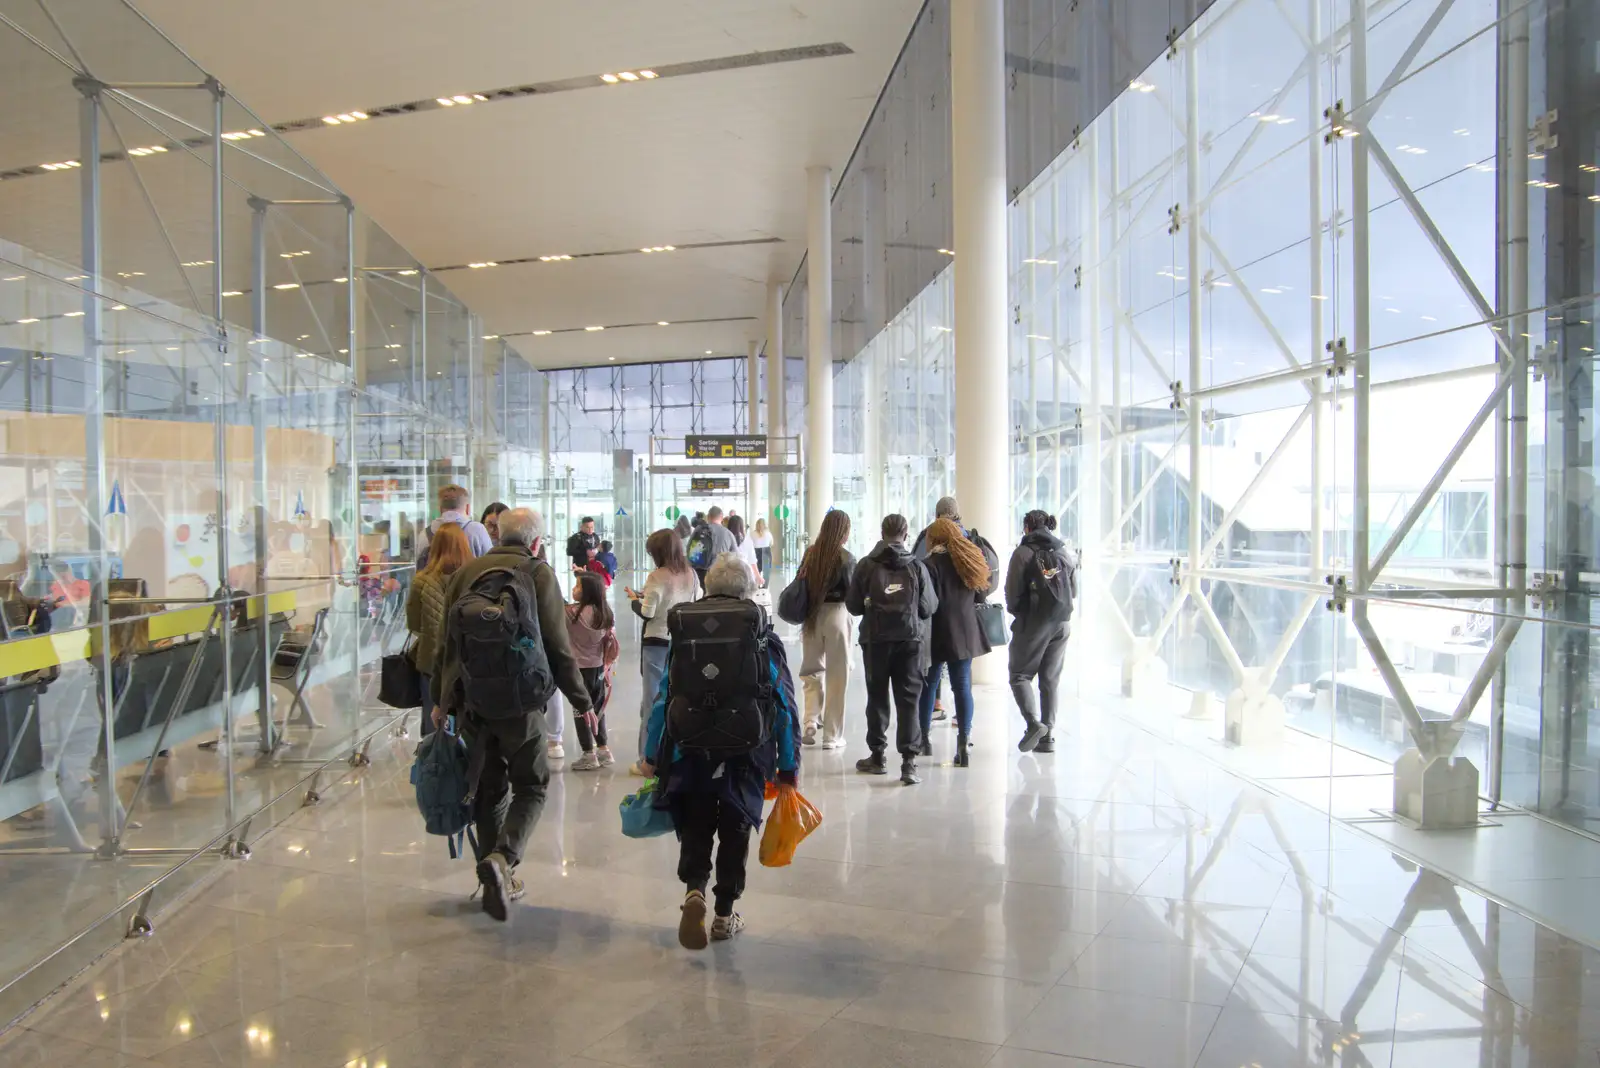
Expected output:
(794, 603)
(992, 618)
(400, 683)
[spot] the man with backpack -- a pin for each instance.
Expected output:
(584, 544)
(724, 724)
(708, 540)
(504, 653)
(1041, 584)
(453, 501)
(892, 593)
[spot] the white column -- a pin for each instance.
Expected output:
(819, 346)
(982, 404)
(777, 413)
(752, 374)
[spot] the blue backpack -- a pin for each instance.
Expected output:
(439, 775)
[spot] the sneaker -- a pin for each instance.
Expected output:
(1047, 744)
(836, 743)
(908, 772)
(1031, 738)
(587, 762)
(927, 748)
(637, 768)
(556, 752)
(810, 737)
(725, 927)
(692, 921)
(494, 875)
(514, 888)
(606, 759)
(872, 765)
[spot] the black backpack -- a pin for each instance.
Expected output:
(890, 600)
(701, 551)
(1051, 584)
(719, 677)
(495, 627)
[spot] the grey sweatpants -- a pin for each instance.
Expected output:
(512, 784)
(1037, 653)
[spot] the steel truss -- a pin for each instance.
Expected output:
(1088, 251)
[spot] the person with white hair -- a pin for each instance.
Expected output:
(504, 653)
(725, 723)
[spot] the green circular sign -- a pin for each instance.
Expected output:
(673, 512)
(781, 511)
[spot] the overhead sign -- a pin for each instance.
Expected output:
(709, 485)
(724, 447)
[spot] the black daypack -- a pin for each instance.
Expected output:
(719, 677)
(495, 627)
(890, 600)
(1051, 585)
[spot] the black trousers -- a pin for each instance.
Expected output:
(704, 820)
(512, 784)
(894, 669)
(595, 680)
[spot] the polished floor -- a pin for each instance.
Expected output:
(1118, 902)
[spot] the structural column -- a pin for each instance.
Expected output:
(777, 414)
(752, 375)
(977, 83)
(819, 346)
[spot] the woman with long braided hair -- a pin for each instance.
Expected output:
(825, 635)
(963, 580)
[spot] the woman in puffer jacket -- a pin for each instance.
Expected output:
(425, 606)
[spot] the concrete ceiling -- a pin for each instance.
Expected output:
(681, 160)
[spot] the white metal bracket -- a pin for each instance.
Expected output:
(1544, 361)
(1177, 396)
(1177, 571)
(1543, 137)
(1339, 356)
(1544, 589)
(1338, 123)
(1341, 593)
(1174, 218)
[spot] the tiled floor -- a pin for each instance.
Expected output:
(1119, 902)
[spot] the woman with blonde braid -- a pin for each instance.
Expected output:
(825, 635)
(963, 580)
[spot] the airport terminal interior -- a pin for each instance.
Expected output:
(1281, 310)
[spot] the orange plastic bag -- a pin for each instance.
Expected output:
(770, 793)
(792, 818)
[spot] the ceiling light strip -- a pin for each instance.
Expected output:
(625, 326)
(563, 257)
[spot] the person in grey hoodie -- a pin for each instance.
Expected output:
(892, 593)
(1041, 585)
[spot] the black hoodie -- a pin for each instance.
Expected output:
(1017, 571)
(895, 556)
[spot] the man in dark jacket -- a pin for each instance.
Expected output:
(1042, 572)
(583, 545)
(894, 597)
(508, 753)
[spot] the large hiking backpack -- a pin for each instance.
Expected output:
(701, 548)
(891, 600)
(719, 677)
(1051, 584)
(495, 626)
(439, 775)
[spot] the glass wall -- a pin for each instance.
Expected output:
(228, 401)
(1301, 356)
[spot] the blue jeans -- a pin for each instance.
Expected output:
(652, 665)
(960, 686)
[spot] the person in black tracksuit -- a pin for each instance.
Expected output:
(1038, 646)
(894, 597)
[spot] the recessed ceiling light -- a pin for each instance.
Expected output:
(15, 278)
(610, 79)
(392, 345)
(346, 117)
(663, 323)
(613, 359)
(407, 274)
(628, 76)
(647, 74)
(233, 293)
(553, 259)
(491, 337)
(540, 333)
(946, 252)
(331, 120)
(486, 263)
(26, 321)
(124, 307)
(462, 98)
(708, 352)
(72, 315)
(594, 329)
(287, 285)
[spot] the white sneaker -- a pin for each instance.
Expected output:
(810, 737)
(605, 757)
(556, 752)
(833, 743)
(587, 762)
(725, 927)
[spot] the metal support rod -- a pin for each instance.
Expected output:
(352, 536)
(1361, 306)
(1196, 357)
(96, 489)
(258, 424)
(1317, 299)
(220, 447)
